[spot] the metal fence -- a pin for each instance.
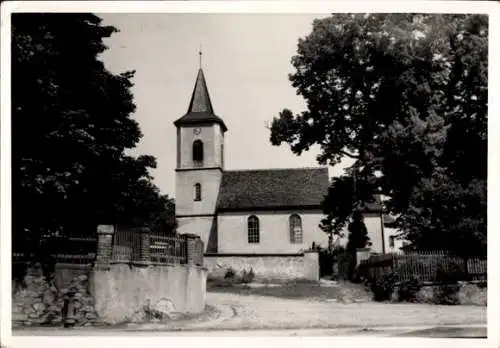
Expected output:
(76, 247)
(167, 249)
(423, 265)
(128, 243)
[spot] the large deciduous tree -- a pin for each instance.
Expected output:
(71, 127)
(405, 96)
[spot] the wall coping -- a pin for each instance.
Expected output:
(254, 255)
(143, 264)
(73, 265)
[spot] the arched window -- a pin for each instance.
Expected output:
(295, 229)
(198, 151)
(197, 192)
(253, 229)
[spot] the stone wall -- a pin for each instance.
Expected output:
(468, 294)
(129, 293)
(266, 268)
(40, 302)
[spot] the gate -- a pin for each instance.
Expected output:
(326, 261)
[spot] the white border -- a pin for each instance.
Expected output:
(486, 7)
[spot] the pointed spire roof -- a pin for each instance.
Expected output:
(200, 99)
(200, 110)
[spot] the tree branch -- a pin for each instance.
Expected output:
(345, 153)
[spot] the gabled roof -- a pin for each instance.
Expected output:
(272, 189)
(200, 110)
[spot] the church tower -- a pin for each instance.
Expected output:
(200, 163)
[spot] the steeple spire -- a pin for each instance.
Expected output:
(200, 110)
(200, 99)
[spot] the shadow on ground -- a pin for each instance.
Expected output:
(448, 332)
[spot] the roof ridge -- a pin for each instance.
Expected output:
(272, 169)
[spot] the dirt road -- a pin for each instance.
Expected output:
(262, 312)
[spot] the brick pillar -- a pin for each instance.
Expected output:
(190, 247)
(145, 245)
(104, 243)
(199, 251)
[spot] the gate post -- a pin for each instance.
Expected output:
(145, 245)
(104, 244)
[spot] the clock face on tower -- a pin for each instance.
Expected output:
(197, 131)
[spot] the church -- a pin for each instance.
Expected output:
(273, 212)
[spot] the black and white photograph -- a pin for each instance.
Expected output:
(246, 173)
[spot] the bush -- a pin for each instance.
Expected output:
(448, 276)
(248, 277)
(230, 274)
(409, 289)
(447, 294)
(383, 287)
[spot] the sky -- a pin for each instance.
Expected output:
(246, 61)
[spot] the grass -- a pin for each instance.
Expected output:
(344, 292)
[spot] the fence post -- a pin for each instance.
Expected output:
(191, 252)
(104, 244)
(145, 253)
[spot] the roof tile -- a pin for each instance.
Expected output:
(272, 188)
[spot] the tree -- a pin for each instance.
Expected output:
(358, 234)
(71, 127)
(398, 93)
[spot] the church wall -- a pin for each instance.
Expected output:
(200, 225)
(276, 268)
(211, 136)
(184, 195)
(274, 232)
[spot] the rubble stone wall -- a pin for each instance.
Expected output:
(40, 301)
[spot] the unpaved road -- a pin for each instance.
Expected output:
(264, 312)
(237, 313)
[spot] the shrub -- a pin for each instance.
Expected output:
(383, 287)
(448, 275)
(230, 274)
(447, 294)
(409, 289)
(248, 277)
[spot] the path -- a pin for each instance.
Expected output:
(262, 312)
(290, 317)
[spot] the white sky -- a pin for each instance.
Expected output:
(246, 60)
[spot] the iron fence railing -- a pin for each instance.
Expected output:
(128, 244)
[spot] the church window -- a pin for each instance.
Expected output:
(197, 192)
(295, 229)
(198, 151)
(253, 229)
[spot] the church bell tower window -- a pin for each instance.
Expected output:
(197, 192)
(198, 151)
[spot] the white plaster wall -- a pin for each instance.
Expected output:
(200, 226)
(398, 243)
(266, 267)
(211, 136)
(374, 227)
(184, 191)
(274, 232)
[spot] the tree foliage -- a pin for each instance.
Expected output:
(405, 96)
(358, 233)
(71, 128)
